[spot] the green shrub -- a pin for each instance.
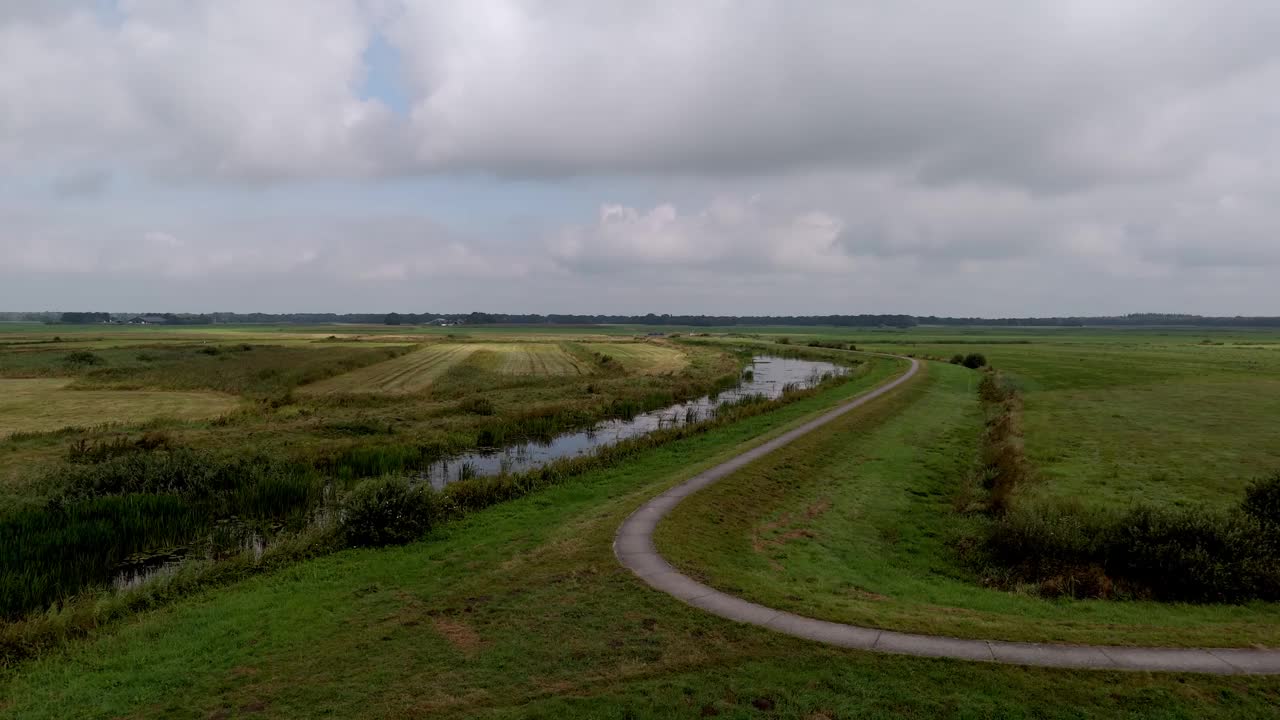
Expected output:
(957, 359)
(83, 357)
(477, 406)
(1166, 554)
(1262, 501)
(974, 361)
(1192, 555)
(390, 511)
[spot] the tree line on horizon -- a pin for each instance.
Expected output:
(481, 318)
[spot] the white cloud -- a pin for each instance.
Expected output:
(824, 149)
(203, 89)
(731, 234)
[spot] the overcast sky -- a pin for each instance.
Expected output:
(755, 157)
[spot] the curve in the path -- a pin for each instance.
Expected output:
(634, 548)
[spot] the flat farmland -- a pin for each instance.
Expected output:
(418, 370)
(407, 374)
(533, 359)
(644, 357)
(32, 405)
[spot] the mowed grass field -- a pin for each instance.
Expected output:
(417, 370)
(39, 404)
(522, 611)
(644, 357)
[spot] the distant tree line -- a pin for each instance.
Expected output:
(85, 318)
(481, 318)
(1132, 320)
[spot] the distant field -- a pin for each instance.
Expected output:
(406, 374)
(534, 359)
(647, 358)
(46, 404)
(1112, 417)
(418, 370)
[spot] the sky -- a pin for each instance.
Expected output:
(985, 158)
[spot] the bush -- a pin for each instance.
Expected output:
(1192, 555)
(1262, 501)
(973, 361)
(477, 406)
(389, 511)
(83, 357)
(957, 359)
(1163, 553)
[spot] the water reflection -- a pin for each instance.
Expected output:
(767, 376)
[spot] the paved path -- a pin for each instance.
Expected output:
(635, 550)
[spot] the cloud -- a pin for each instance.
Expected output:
(730, 234)
(82, 183)
(1049, 94)
(1037, 94)
(297, 251)
(203, 89)
(1097, 155)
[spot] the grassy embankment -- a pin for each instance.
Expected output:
(857, 523)
(522, 611)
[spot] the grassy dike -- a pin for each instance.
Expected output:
(855, 523)
(522, 611)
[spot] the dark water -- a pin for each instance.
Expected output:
(767, 376)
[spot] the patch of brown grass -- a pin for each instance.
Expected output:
(459, 634)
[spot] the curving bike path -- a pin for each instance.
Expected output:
(634, 548)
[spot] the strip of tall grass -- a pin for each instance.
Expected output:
(89, 610)
(107, 511)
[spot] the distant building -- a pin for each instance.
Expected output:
(148, 320)
(440, 322)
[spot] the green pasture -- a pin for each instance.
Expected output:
(521, 611)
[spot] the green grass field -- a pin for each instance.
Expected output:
(522, 611)
(1110, 417)
(33, 405)
(855, 524)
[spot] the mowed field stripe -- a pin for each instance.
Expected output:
(535, 359)
(405, 374)
(419, 369)
(643, 357)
